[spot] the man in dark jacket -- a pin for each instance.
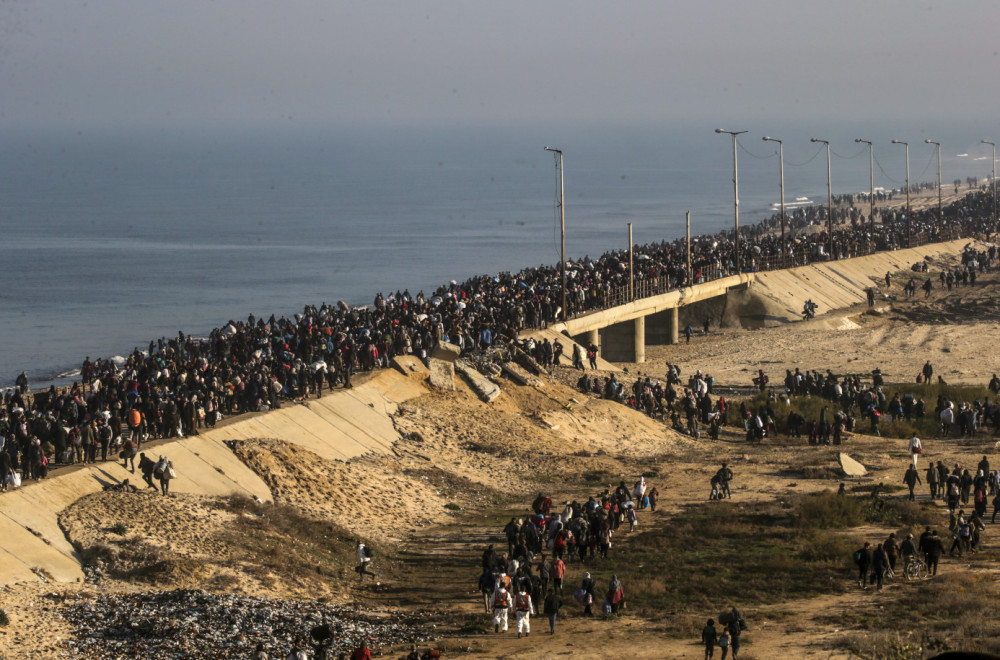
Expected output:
(146, 467)
(932, 548)
(863, 559)
(552, 604)
(879, 564)
(911, 479)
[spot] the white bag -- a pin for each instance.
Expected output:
(14, 479)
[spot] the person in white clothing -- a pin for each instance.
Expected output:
(915, 449)
(501, 605)
(364, 559)
(525, 608)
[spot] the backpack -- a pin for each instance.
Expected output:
(857, 557)
(368, 552)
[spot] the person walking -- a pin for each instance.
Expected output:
(879, 564)
(616, 595)
(558, 573)
(524, 609)
(911, 479)
(735, 629)
(892, 548)
(932, 479)
(709, 638)
(915, 449)
(863, 559)
(553, 602)
(364, 559)
(587, 598)
(501, 606)
(724, 643)
(933, 548)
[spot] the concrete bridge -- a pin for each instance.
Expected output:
(628, 328)
(623, 332)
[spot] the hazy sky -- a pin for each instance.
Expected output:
(201, 62)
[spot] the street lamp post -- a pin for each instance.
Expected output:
(940, 212)
(736, 195)
(829, 198)
(907, 145)
(781, 184)
(871, 194)
(994, 145)
(562, 227)
(631, 266)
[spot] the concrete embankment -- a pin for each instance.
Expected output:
(341, 425)
(777, 297)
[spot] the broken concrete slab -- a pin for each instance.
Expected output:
(446, 352)
(519, 376)
(442, 374)
(851, 467)
(409, 365)
(486, 390)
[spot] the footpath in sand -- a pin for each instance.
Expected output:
(430, 477)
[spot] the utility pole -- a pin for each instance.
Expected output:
(940, 212)
(631, 266)
(829, 198)
(736, 195)
(781, 184)
(562, 227)
(871, 198)
(687, 220)
(909, 238)
(993, 144)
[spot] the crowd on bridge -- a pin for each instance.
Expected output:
(179, 385)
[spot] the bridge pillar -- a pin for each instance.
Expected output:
(639, 331)
(625, 341)
(662, 327)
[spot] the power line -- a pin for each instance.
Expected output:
(753, 155)
(880, 169)
(811, 159)
(863, 149)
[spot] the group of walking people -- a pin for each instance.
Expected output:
(514, 581)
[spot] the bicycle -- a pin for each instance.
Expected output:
(915, 569)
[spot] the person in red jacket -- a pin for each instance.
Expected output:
(362, 652)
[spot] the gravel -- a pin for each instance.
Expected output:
(198, 624)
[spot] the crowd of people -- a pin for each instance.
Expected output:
(513, 581)
(177, 386)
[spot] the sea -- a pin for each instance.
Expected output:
(112, 237)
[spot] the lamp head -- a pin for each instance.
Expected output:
(719, 130)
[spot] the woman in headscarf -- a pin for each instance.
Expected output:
(616, 595)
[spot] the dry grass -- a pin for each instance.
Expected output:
(949, 612)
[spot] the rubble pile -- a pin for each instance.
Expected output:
(198, 624)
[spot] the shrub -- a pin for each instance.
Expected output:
(4, 619)
(828, 511)
(119, 528)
